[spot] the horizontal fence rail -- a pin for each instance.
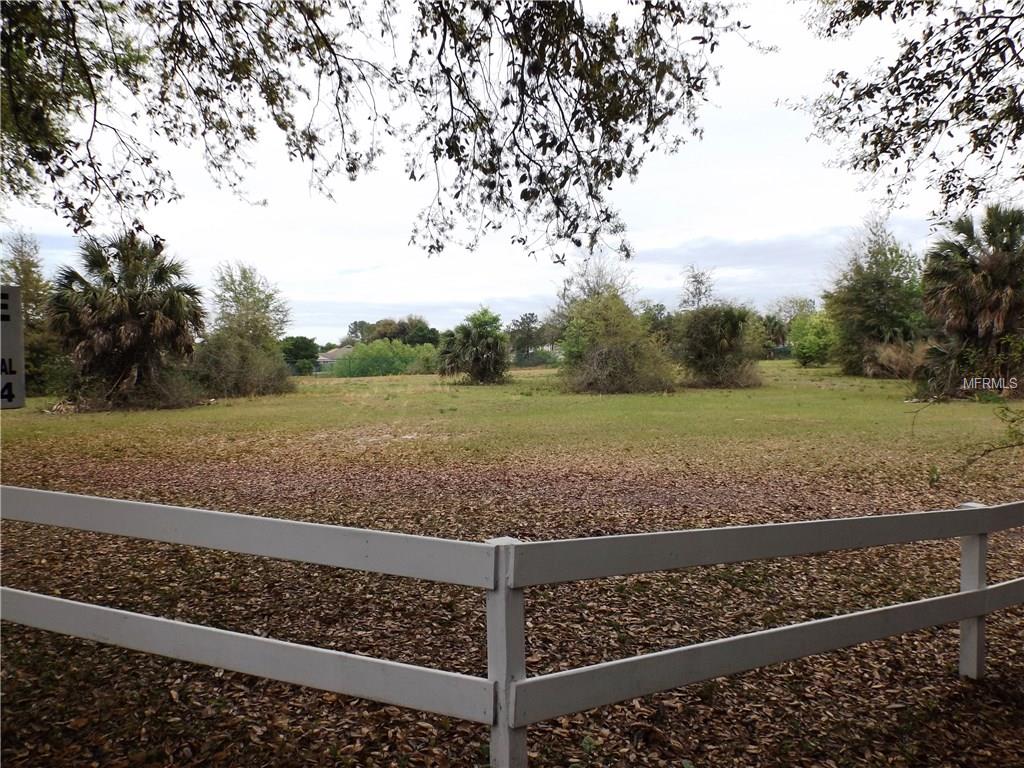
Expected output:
(430, 690)
(507, 699)
(562, 693)
(551, 562)
(397, 554)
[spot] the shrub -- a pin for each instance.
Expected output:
(173, 388)
(424, 360)
(896, 360)
(386, 357)
(950, 361)
(477, 348)
(720, 345)
(812, 338)
(303, 367)
(230, 364)
(535, 358)
(608, 349)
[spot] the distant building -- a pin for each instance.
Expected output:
(331, 356)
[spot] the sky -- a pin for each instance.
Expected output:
(756, 201)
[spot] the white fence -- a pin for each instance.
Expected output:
(507, 699)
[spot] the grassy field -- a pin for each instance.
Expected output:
(524, 459)
(807, 419)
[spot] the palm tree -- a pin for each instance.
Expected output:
(127, 310)
(974, 288)
(476, 347)
(775, 329)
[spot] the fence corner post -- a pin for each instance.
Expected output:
(506, 656)
(973, 554)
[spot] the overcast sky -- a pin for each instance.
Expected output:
(755, 200)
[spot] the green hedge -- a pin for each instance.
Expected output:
(386, 357)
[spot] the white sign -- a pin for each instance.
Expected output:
(12, 348)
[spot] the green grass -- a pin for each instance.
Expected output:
(808, 418)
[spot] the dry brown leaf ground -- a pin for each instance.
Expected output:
(385, 459)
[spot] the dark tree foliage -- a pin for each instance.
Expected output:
(516, 111)
(359, 330)
(415, 331)
(385, 328)
(974, 291)
(656, 317)
(524, 334)
(776, 329)
(297, 348)
(411, 329)
(951, 102)
(876, 298)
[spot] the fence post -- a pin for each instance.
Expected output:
(973, 553)
(506, 657)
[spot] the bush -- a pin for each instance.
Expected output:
(535, 358)
(896, 360)
(477, 348)
(949, 362)
(720, 345)
(230, 364)
(424, 360)
(303, 367)
(56, 376)
(174, 388)
(171, 387)
(812, 338)
(386, 357)
(608, 349)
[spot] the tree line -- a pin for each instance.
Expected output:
(950, 322)
(126, 327)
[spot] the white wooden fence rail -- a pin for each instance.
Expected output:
(396, 554)
(431, 690)
(507, 699)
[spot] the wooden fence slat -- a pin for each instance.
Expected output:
(396, 554)
(561, 693)
(551, 562)
(429, 690)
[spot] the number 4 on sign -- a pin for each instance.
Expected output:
(12, 349)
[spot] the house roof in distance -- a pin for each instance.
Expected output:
(333, 354)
